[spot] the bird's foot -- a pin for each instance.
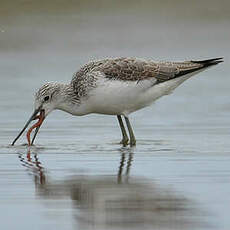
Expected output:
(124, 141)
(132, 142)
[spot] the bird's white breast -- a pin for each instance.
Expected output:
(113, 97)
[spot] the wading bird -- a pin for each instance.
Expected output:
(117, 86)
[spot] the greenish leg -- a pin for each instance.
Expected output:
(125, 138)
(131, 134)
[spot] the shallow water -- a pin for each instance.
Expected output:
(78, 176)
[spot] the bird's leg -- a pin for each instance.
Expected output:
(125, 138)
(122, 163)
(131, 134)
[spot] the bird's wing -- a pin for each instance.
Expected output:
(138, 70)
(132, 69)
(171, 70)
(128, 69)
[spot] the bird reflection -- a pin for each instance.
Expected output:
(122, 163)
(118, 201)
(33, 166)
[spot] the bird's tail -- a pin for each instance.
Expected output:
(209, 62)
(199, 66)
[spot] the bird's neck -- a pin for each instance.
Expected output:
(68, 98)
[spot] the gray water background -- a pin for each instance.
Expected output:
(178, 175)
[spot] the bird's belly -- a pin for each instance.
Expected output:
(117, 97)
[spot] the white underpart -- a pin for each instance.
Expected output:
(117, 97)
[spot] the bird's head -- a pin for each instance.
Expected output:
(47, 98)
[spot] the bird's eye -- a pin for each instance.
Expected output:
(46, 98)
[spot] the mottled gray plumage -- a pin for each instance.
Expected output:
(133, 69)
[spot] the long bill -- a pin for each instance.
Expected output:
(27, 123)
(35, 134)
